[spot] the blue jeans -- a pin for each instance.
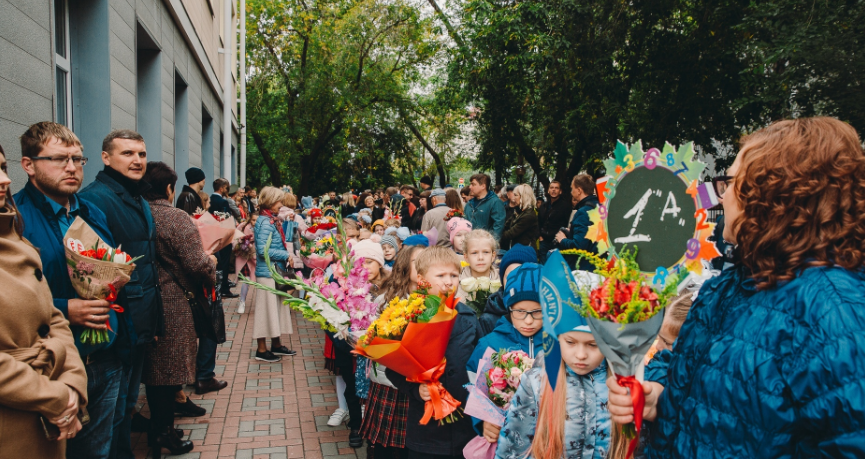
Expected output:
(205, 360)
(130, 385)
(103, 386)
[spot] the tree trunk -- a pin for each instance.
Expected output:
(414, 130)
(272, 166)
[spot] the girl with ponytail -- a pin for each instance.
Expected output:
(573, 421)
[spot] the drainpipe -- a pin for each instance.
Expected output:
(242, 19)
(226, 89)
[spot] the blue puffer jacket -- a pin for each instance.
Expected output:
(504, 337)
(263, 230)
(587, 423)
(777, 373)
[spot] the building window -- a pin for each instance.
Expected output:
(61, 57)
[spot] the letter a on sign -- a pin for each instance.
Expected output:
(670, 207)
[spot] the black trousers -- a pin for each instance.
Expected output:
(160, 399)
(223, 263)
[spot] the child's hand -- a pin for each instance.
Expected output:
(424, 392)
(491, 432)
(620, 404)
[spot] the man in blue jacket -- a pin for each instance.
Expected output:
(486, 211)
(117, 192)
(582, 191)
(51, 157)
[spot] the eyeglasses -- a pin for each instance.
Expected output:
(62, 161)
(537, 314)
(721, 183)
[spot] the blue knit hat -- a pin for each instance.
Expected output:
(417, 239)
(519, 253)
(524, 284)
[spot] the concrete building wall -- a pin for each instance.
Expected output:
(27, 76)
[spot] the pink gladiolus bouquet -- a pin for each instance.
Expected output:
(504, 377)
(351, 293)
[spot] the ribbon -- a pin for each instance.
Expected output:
(112, 296)
(441, 402)
(638, 401)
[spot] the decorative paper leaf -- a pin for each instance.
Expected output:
(708, 250)
(597, 232)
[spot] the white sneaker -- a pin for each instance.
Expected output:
(338, 417)
(241, 307)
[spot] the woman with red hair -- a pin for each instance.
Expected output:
(771, 359)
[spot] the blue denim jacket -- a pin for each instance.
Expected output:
(263, 230)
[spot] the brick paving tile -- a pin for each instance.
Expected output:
(269, 410)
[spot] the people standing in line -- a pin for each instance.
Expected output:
(51, 155)
(522, 224)
(272, 319)
(188, 200)
(42, 377)
(435, 217)
(485, 211)
(553, 215)
(117, 193)
(220, 203)
(183, 266)
(583, 192)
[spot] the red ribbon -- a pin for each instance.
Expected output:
(441, 402)
(112, 296)
(638, 400)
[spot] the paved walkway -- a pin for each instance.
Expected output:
(272, 411)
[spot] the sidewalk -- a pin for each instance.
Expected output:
(269, 410)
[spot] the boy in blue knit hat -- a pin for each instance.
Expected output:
(519, 330)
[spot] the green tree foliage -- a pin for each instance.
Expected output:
(557, 82)
(327, 81)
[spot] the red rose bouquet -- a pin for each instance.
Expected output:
(97, 271)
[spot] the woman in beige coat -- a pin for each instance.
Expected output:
(41, 373)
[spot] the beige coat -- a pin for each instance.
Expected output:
(435, 218)
(34, 370)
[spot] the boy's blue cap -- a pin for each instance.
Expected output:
(523, 284)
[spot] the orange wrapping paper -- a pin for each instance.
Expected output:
(419, 356)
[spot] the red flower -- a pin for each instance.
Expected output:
(100, 253)
(89, 253)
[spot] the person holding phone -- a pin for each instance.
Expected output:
(43, 384)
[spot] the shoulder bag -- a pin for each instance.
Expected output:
(207, 312)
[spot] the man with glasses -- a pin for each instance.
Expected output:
(51, 157)
(117, 191)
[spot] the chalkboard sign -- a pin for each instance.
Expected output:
(653, 202)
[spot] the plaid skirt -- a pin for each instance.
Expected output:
(386, 416)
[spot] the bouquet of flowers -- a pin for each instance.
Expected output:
(318, 253)
(97, 271)
(622, 313)
(490, 396)
(320, 230)
(410, 337)
(217, 230)
(454, 213)
(244, 247)
(478, 290)
(317, 306)
(504, 377)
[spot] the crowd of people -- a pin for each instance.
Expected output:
(766, 359)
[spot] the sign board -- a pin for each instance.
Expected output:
(462, 181)
(653, 202)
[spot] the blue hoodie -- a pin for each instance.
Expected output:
(503, 337)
